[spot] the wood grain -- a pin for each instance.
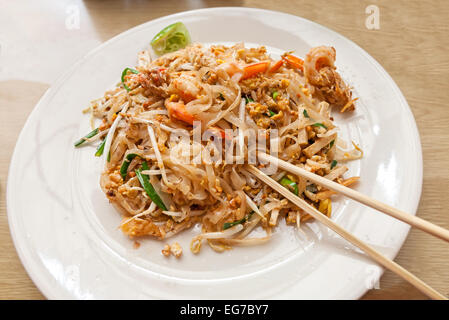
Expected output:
(411, 45)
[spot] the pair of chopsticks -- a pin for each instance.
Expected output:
(370, 251)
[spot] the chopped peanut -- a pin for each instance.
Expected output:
(176, 249)
(166, 250)
(115, 177)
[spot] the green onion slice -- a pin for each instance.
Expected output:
(124, 73)
(292, 186)
(100, 149)
(148, 187)
(126, 163)
(91, 134)
(228, 225)
(305, 113)
(171, 38)
(272, 113)
(275, 95)
(248, 100)
(333, 164)
(319, 125)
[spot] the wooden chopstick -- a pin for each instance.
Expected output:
(357, 196)
(374, 254)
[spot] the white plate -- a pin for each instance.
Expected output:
(65, 231)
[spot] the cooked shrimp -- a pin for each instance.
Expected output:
(178, 111)
(186, 88)
(234, 70)
(320, 71)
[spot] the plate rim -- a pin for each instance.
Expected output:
(30, 265)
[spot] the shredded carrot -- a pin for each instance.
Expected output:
(254, 69)
(294, 61)
(348, 105)
(276, 66)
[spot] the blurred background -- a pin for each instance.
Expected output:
(40, 40)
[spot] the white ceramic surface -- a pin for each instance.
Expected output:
(65, 231)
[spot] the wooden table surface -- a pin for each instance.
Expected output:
(40, 39)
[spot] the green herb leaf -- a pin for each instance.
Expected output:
(275, 95)
(333, 164)
(271, 113)
(331, 144)
(305, 113)
(100, 148)
(124, 73)
(148, 187)
(319, 125)
(91, 134)
(289, 184)
(248, 99)
(171, 38)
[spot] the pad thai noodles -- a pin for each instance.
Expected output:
(148, 121)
